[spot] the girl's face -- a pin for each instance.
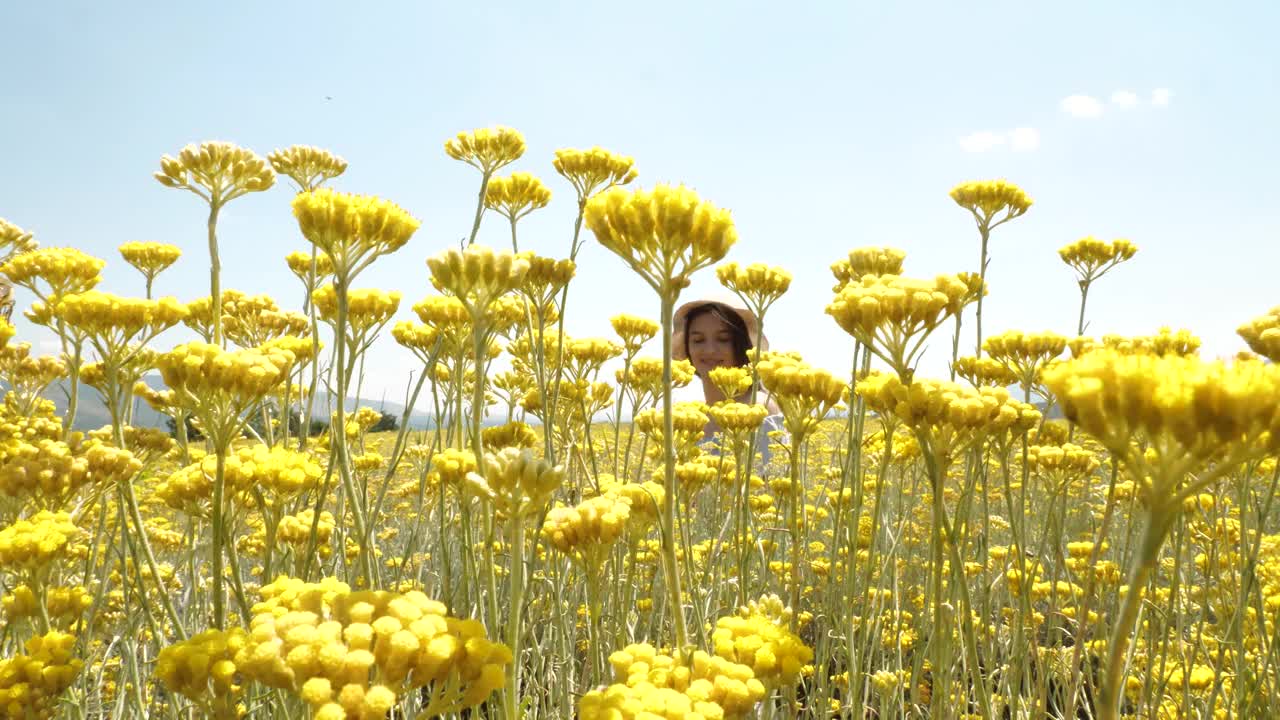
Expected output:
(710, 343)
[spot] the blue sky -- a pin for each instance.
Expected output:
(823, 127)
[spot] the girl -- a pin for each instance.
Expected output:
(711, 334)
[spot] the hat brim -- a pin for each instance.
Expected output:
(680, 324)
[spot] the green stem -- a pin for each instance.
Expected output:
(670, 572)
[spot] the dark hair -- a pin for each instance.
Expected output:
(741, 336)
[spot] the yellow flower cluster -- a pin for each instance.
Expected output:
(732, 381)
(634, 331)
(689, 420)
(308, 166)
(352, 230)
(804, 393)
(202, 372)
(65, 604)
(296, 529)
(150, 258)
(487, 149)
(1066, 461)
(202, 667)
(30, 544)
(759, 285)
(514, 434)
(701, 677)
(367, 308)
(115, 320)
(451, 466)
(892, 315)
(352, 654)
(737, 419)
(591, 171)
(1025, 354)
(985, 371)
(757, 637)
(516, 195)
(1263, 334)
(1091, 258)
(665, 234)
(216, 171)
(587, 531)
(299, 263)
(1188, 409)
(867, 261)
(14, 240)
(279, 471)
(50, 472)
(986, 198)
(952, 416)
(515, 482)
(63, 270)
(545, 280)
(644, 503)
(30, 684)
(645, 702)
(1165, 342)
(477, 275)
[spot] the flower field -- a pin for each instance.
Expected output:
(1062, 527)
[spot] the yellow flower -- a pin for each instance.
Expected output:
(216, 171)
(587, 531)
(219, 385)
(515, 482)
(516, 195)
(985, 371)
(804, 393)
(1164, 342)
(203, 666)
(987, 198)
(62, 270)
(731, 381)
(486, 149)
(867, 261)
(1263, 334)
(594, 170)
(477, 275)
(1188, 409)
(665, 234)
(309, 167)
(38, 541)
(634, 331)
(14, 241)
(353, 230)
(893, 315)
(1025, 354)
(758, 285)
(367, 309)
(1091, 258)
(758, 638)
(150, 258)
(113, 322)
(300, 265)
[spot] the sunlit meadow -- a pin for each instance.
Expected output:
(1064, 526)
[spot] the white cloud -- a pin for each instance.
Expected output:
(1082, 106)
(981, 141)
(1160, 97)
(1021, 139)
(1024, 139)
(1124, 99)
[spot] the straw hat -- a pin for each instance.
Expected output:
(680, 324)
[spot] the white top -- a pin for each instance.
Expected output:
(711, 445)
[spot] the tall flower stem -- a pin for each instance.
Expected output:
(670, 570)
(215, 272)
(219, 536)
(338, 431)
(982, 284)
(1148, 552)
(1084, 298)
(475, 225)
(515, 598)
